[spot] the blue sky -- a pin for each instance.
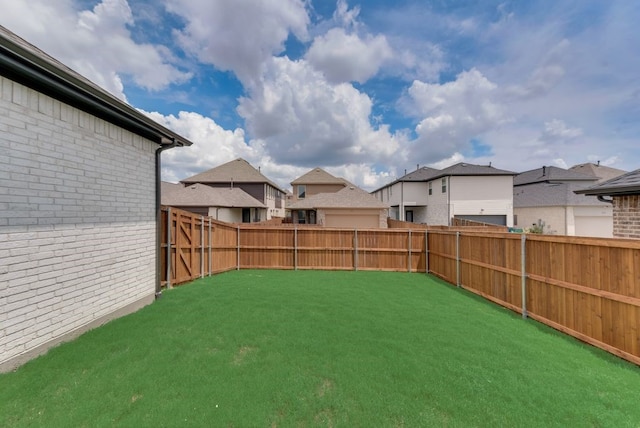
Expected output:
(363, 89)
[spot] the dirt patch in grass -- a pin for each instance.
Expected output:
(240, 356)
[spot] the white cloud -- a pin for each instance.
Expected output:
(453, 113)
(212, 146)
(557, 131)
(239, 36)
(344, 57)
(305, 120)
(96, 43)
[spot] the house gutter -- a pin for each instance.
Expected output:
(158, 164)
(601, 198)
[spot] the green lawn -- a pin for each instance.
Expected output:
(309, 348)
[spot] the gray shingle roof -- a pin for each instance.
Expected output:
(544, 194)
(550, 174)
(201, 195)
(237, 171)
(318, 176)
(626, 184)
(349, 197)
(603, 173)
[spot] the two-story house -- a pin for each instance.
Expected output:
(466, 191)
(239, 173)
(323, 199)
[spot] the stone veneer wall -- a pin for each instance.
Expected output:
(77, 222)
(626, 216)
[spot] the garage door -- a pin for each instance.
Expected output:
(352, 221)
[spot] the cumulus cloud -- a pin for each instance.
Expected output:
(239, 36)
(96, 43)
(303, 119)
(453, 113)
(344, 57)
(212, 146)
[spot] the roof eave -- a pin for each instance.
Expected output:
(30, 69)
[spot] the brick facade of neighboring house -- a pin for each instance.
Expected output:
(77, 204)
(626, 216)
(624, 193)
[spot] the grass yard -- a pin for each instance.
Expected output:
(309, 348)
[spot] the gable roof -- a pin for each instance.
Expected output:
(27, 65)
(626, 184)
(550, 174)
(350, 197)
(603, 173)
(318, 176)
(201, 195)
(545, 194)
(236, 171)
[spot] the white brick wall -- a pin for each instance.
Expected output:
(77, 219)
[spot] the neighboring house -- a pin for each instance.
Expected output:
(232, 205)
(466, 191)
(314, 182)
(603, 173)
(320, 198)
(239, 173)
(545, 197)
(79, 203)
(624, 194)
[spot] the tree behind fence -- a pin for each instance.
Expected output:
(586, 287)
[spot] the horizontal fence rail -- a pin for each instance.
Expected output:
(586, 287)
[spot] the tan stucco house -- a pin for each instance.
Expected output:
(323, 199)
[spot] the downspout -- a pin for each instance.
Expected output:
(448, 200)
(159, 212)
(402, 216)
(601, 198)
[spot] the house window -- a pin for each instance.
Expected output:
(302, 216)
(302, 190)
(444, 185)
(431, 188)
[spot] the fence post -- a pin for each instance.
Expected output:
(426, 250)
(201, 247)
(169, 221)
(210, 261)
(523, 262)
(409, 245)
(238, 249)
(295, 248)
(355, 250)
(458, 259)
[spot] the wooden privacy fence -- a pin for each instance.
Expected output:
(586, 287)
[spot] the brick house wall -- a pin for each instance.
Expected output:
(77, 222)
(626, 216)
